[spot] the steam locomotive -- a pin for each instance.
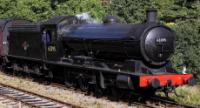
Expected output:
(110, 55)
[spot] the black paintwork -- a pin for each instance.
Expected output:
(150, 41)
(25, 41)
(4, 25)
(151, 15)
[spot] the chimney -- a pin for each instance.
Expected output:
(151, 15)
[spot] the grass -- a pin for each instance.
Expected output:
(191, 95)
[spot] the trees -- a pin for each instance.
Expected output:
(172, 10)
(188, 45)
(73, 7)
(28, 9)
(42, 9)
(130, 11)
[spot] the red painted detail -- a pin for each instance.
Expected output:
(175, 79)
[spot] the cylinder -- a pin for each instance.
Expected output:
(151, 15)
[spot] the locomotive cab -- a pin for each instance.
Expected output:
(53, 27)
(49, 38)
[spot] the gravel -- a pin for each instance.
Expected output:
(65, 95)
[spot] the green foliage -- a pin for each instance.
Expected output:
(73, 7)
(36, 10)
(190, 95)
(188, 45)
(171, 10)
(130, 11)
(28, 9)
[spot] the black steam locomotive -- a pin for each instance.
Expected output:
(110, 55)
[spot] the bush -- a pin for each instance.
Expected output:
(28, 9)
(133, 11)
(188, 46)
(129, 11)
(73, 7)
(37, 10)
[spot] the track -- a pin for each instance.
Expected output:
(161, 102)
(14, 95)
(139, 101)
(167, 103)
(10, 103)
